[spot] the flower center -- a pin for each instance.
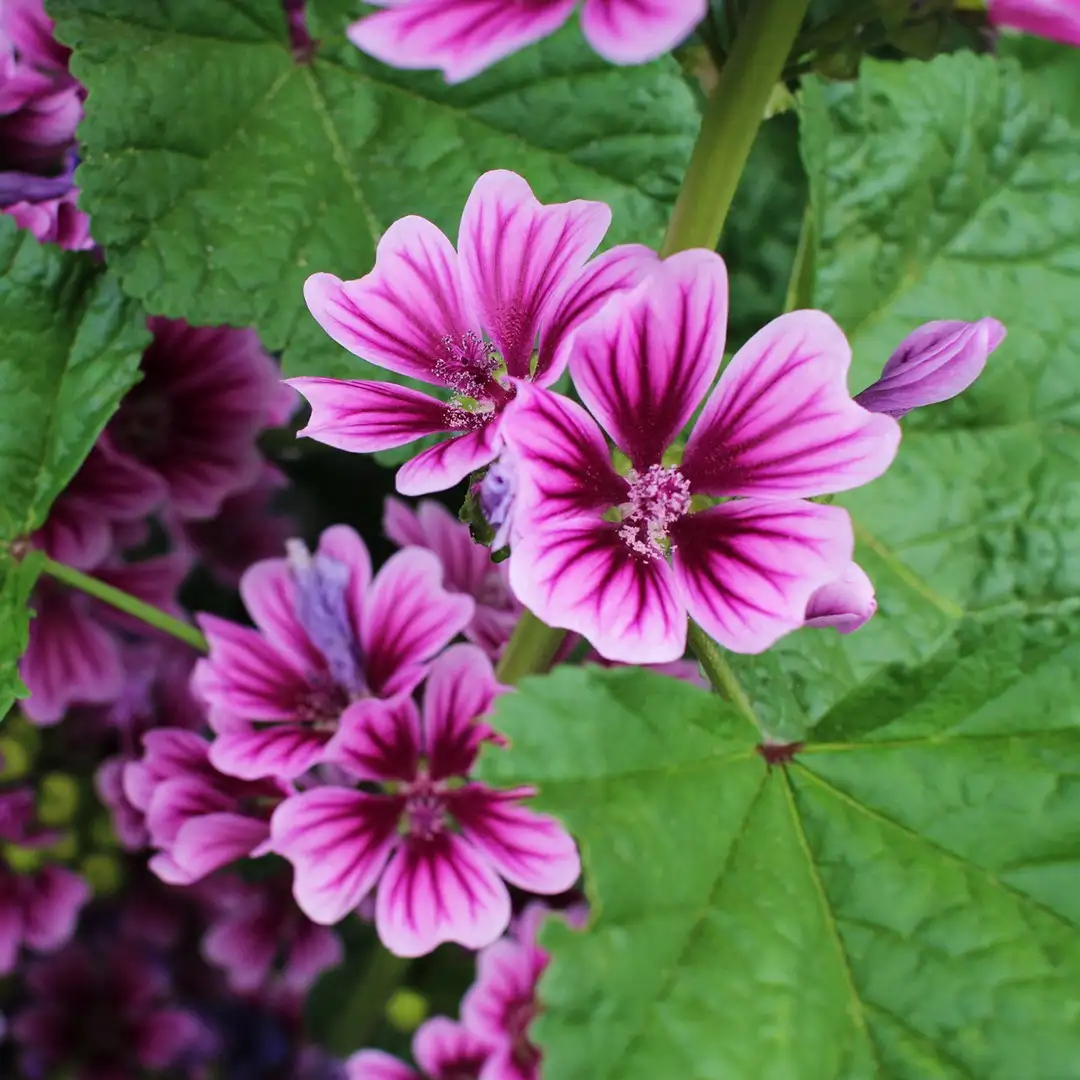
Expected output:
(425, 810)
(518, 1018)
(468, 366)
(321, 703)
(657, 498)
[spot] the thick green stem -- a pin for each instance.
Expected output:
(732, 118)
(530, 650)
(123, 601)
(719, 673)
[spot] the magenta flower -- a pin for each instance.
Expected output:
(521, 273)
(199, 819)
(260, 926)
(74, 653)
(26, 25)
(1058, 20)
(502, 1003)
(328, 636)
(109, 489)
(435, 849)
(38, 908)
(845, 604)
(55, 221)
(462, 37)
(204, 396)
(467, 568)
(100, 1016)
(443, 1049)
(933, 363)
(591, 547)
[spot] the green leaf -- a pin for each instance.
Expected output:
(70, 344)
(220, 174)
(947, 190)
(16, 581)
(899, 902)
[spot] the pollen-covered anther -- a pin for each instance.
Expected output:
(467, 366)
(657, 498)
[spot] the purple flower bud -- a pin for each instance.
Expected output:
(933, 363)
(497, 493)
(322, 609)
(845, 604)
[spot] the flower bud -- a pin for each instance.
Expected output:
(844, 604)
(933, 363)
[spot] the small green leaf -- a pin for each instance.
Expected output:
(70, 345)
(898, 902)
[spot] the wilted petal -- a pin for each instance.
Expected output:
(1058, 20)
(446, 1050)
(563, 464)
(449, 462)
(845, 604)
(379, 740)
(608, 275)
(363, 417)
(520, 257)
(781, 423)
(747, 569)
(579, 575)
(643, 365)
(439, 890)
(462, 37)
(631, 33)
(284, 750)
(530, 850)
(409, 617)
(269, 594)
(933, 363)
(338, 842)
(397, 316)
(459, 691)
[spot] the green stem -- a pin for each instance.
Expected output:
(719, 673)
(732, 118)
(123, 601)
(800, 291)
(365, 1007)
(530, 650)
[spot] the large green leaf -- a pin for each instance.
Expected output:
(70, 344)
(220, 173)
(899, 902)
(948, 190)
(16, 581)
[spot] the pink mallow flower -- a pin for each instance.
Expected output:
(933, 363)
(328, 636)
(435, 846)
(502, 1003)
(462, 37)
(74, 653)
(205, 394)
(1058, 20)
(520, 274)
(467, 567)
(199, 819)
(39, 906)
(442, 1048)
(100, 1014)
(591, 547)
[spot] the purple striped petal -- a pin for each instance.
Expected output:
(177, 801)
(379, 740)
(643, 365)
(634, 31)
(439, 890)
(208, 843)
(269, 594)
(338, 842)
(284, 750)
(845, 604)
(408, 618)
(609, 275)
(530, 850)
(579, 575)
(564, 465)
(362, 417)
(1058, 20)
(448, 463)
(377, 1065)
(519, 258)
(781, 422)
(459, 691)
(447, 1050)
(462, 37)
(747, 569)
(397, 316)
